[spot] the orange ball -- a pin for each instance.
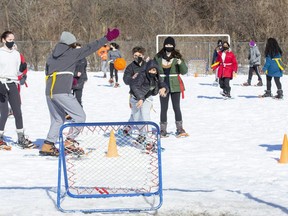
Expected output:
(120, 64)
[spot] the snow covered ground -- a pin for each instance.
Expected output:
(227, 166)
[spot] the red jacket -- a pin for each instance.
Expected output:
(227, 67)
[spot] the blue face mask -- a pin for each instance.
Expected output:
(9, 45)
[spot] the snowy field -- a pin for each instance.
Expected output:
(227, 166)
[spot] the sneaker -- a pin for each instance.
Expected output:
(246, 84)
(72, 147)
(116, 85)
(25, 143)
(49, 149)
(260, 83)
(223, 93)
(111, 81)
(4, 146)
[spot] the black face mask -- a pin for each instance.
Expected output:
(138, 60)
(152, 75)
(9, 45)
(169, 49)
(225, 48)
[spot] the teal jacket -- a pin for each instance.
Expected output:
(174, 71)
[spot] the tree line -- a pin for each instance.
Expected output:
(39, 23)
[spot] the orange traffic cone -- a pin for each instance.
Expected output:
(284, 151)
(112, 147)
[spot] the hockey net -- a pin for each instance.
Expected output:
(120, 160)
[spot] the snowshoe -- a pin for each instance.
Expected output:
(25, 143)
(71, 148)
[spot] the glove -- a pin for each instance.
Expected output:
(179, 61)
(23, 79)
(23, 67)
(111, 35)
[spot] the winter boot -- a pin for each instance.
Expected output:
(246, 84)
(279, 94)
(116, 85)
(163, 129)
(267, 93)
(72, 147)
(24, 142)
(3, 144)
(49, 149)
(180, 132)
(111, 81)
(260, 83)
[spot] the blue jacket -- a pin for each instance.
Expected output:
(271, 67)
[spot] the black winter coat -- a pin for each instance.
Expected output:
(143, 86)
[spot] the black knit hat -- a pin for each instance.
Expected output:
(169, 40)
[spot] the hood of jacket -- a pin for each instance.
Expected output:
(152, 64)
(59, 49)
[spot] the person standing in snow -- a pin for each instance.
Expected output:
(113, 54)
(273, 67)
(254, 58)
(132, 70)
(227, 65)
(103, 54)
(143, 86)
(10, 65)
(171, 66)
(60, 67)
(214, 57)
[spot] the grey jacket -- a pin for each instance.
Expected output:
(113, 54)
(254, 56)
(62, 61)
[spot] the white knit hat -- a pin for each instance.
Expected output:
(67, 38)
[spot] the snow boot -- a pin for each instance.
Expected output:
(72, 147)
(260, 83)
(279, 94)
(267, 93)
(24, 142)
(246, 84)
(180, 132)
(3, 144)
(49, 149)
(163, 129)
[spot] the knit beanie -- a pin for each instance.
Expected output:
(67, 38)
(169, 40)
(252, 43)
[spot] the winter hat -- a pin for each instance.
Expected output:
(67, 38)
(219, 43)
(252, 43)
(169, 40)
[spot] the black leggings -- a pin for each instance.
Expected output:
(78, 94)
(277, 82)
(13, 97)
(164, 102)
(251, 70)
(225, 84)
(111, 72)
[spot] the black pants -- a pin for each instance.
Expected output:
(269, 83)
(78, 94)
(225, 85)
(251, 70)
(111, 72)
(13, 97)
(164, 102)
